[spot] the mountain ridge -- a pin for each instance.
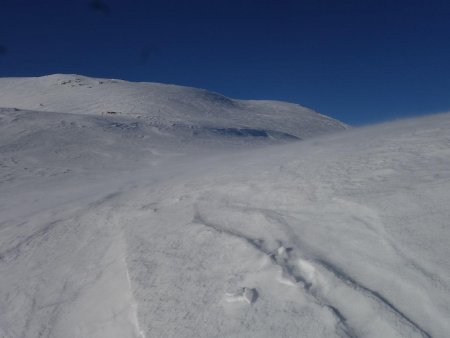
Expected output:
(171, 103)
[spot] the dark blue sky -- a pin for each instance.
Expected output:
(359, 61)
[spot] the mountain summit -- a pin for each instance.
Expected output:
(164, 105)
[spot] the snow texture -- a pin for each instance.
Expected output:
(150, 210)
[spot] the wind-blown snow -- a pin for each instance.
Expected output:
(115, 229)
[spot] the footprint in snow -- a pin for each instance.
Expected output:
(281, 255)
(242, 295)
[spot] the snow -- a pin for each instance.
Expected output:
(114, 225)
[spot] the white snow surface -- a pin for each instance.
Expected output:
(188, 214)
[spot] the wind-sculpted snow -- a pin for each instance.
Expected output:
(341, 236)
(114, 226)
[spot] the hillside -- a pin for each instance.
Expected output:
(189, 214)
(161, 105)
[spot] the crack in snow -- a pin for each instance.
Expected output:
(374, 295)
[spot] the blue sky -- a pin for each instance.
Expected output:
(360, 61)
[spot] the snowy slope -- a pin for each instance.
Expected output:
(61, 128)
(116, 229)
(340, 236)
(163, 106)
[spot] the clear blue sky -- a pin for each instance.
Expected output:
(360, 61)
